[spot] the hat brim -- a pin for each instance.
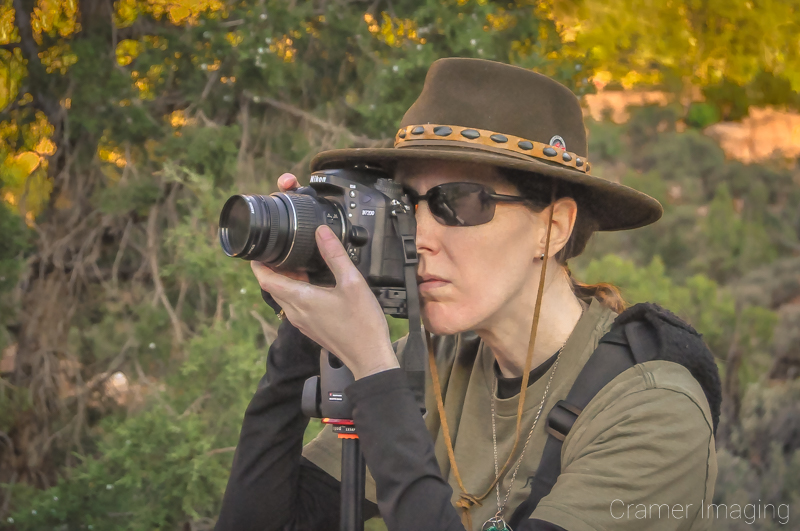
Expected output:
(614, 206)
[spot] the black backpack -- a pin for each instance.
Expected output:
(644, 332)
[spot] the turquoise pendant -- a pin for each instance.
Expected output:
(495, 523)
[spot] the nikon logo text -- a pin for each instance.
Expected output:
(318, 179)
(367, 212)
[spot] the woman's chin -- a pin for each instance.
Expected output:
(442, 319)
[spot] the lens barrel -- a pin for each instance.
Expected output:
(276, 229)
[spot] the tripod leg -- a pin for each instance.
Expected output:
(352, 486)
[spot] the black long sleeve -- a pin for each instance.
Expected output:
(399, 452)
(272, 487)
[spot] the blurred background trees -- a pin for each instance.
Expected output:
(131, 345)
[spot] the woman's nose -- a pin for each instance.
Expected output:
(428, 229)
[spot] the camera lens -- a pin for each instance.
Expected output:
(238, 225)
(276, 229)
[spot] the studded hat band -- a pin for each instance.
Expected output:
(433, 134)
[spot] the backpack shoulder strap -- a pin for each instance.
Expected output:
(611, 358)
(642, 333)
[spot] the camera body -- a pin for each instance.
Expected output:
(358, 204)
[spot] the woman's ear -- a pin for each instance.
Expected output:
(565, 211)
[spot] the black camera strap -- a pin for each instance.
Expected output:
(413, 362)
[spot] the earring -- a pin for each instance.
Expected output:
(542, 257)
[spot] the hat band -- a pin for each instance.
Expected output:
(412, 135)
(480, 138)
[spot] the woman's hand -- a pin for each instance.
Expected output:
(346, 320)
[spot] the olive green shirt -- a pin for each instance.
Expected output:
(640, 456)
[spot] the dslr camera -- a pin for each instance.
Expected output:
(363, 206)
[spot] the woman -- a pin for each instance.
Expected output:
(497, 205)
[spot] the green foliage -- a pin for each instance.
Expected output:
(763, 464)
(160, 463)
(155, 468)
(15, 242)
(699, 300)
(721, 218)
(702, 115)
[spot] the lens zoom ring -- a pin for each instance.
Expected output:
(274, 223)
(308, 220)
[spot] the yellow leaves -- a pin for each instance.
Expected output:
(111, 153)
(23, 174)
(125, 12)
(282, 48)
(500, 22)
(25, 184)
(154, 41)
(179, 119)
(45, 147)
(602, 78)
(312, 28)
(178, 12)
(12, 71)
(634, 78)
(128, 50)
(8, 132)
(372, 24)
(393, 31)
(146, 83)
(145, 88)
(26, 162)
(35, 131)
(234, 37)
(55, 17)
(58, 57)
(700, 42)
(8, 30)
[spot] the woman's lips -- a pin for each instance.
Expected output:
(432, 284)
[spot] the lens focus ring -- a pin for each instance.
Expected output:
(307, 219)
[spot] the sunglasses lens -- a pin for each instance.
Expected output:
(461, 204)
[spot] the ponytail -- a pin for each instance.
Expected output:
(608, 294)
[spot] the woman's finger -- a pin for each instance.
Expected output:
(278, 285)
(334, 254)
(287, 182)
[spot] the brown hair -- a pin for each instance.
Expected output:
(539, 190)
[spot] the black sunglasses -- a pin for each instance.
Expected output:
(462, 204)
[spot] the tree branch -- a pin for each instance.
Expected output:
(357, 140)
(152, 255)
(270, 333)
(221, 450)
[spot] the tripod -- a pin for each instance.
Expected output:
(324, 397)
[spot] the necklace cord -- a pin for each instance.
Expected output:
(466, 500)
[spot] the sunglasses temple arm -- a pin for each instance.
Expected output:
(507, 198)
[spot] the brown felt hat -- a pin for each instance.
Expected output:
(482, 111)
